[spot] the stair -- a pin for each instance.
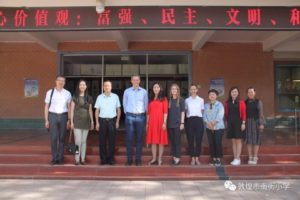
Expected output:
(32, 162)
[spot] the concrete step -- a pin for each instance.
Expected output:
(121, 150)
(121, 159)
(29, 161)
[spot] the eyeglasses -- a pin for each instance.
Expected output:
(211, 106)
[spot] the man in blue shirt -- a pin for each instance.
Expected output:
(135, 102)
(107, 117)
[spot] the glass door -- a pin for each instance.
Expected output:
(169, 69)
(87, 67)
(119, 69)
(165, 68)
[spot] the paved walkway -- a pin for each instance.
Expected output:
(165, 190)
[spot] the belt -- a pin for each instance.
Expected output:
(65, 113)
(193, 117)
(135, 114)
(107, 119)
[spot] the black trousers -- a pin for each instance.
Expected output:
(215, 142)
(107, 134)
(175, 139)
(58, 129)
(195, 131)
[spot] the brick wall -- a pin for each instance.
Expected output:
(239, 64)
(17, 62)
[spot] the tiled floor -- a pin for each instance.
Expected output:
(131, 190)
(28, 189)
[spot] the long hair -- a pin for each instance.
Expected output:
(77, 92)
(251, 88)
(178, 98)
(161, 95)
(230, 97)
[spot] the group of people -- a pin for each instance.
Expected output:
(164, 118)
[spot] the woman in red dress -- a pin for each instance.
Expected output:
(157, 115)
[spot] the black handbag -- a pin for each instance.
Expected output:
(71, 147)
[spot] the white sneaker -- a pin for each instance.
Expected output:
(197, 162)
(254, 161)
(193, 162)
(250, 160)
(232, 162)
(236, 162)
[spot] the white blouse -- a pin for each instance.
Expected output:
(194, 106)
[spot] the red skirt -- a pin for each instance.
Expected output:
(155, 132)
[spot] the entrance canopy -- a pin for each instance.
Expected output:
(285, 44)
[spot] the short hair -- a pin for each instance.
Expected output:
(107, 81)
(213, 91)
(194, 85)
(249, 88)
(136, 75)
(60, 76)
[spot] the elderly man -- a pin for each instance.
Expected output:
(107, 116)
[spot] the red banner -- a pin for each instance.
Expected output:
(150, 18)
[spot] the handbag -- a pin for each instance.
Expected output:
(71, 147)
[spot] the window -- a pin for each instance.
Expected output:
(163, 67)
(82, 66)
(288, 87)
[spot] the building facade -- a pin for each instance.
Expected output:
(265, 56)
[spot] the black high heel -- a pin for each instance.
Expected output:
(153, 162)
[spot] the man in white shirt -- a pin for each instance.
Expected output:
(57, 119)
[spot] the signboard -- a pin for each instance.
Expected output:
(218, 84)
(31, 88)
(150, 18)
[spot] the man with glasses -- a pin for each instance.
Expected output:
(57, 119)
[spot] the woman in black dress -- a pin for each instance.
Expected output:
(235, 114)
(254, 125)
(175, 121)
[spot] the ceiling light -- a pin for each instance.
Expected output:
(100, 7)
